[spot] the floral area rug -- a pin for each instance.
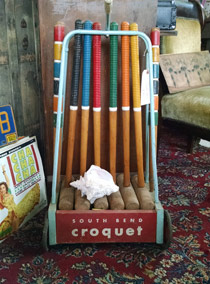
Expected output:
(184, 183)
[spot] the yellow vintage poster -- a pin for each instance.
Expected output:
(22, 185)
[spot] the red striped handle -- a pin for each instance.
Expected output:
(59, 31)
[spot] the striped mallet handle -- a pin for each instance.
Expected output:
(126, 102)
(113, 100)
(97, 94)
(58, 41)
(137, 103)
(87, 45)
(155, 40)
(74, 100)
(100, 203)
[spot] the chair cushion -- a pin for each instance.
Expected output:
(186, 40)
(191, 106)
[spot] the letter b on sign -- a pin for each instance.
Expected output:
(4, 122)
(8, 133)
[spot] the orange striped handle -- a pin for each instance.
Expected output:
(125, 49)
(125, 66)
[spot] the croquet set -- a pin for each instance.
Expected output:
(133, 213)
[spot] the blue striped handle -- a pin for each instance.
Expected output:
(86, 65)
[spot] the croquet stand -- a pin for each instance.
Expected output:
(105, 226)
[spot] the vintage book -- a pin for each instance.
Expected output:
(22, 185)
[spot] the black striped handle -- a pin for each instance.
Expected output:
(76, 64)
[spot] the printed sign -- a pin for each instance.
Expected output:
(105, 226)
(8, 133)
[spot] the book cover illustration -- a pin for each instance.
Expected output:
(22, 185)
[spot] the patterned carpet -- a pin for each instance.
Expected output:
(184, 182)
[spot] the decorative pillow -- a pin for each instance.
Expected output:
(186, 70)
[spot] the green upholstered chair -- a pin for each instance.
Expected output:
(185, 81)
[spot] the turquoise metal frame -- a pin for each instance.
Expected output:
(60, 117)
